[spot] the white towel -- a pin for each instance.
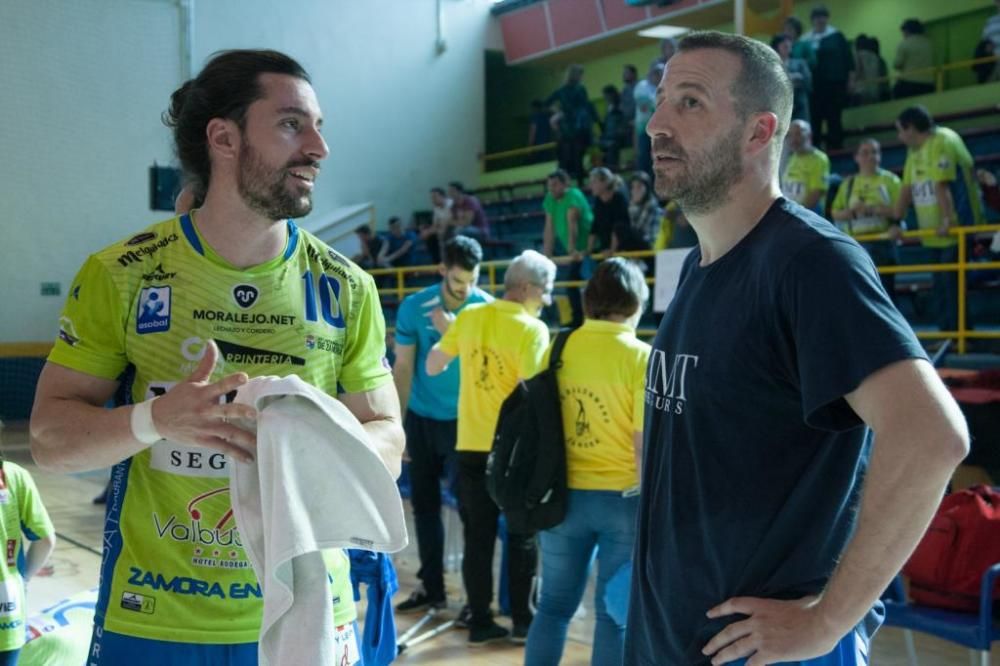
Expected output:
(316, 484)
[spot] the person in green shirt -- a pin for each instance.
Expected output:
(939, 182)
(807, 172)
(568, 218)
(23, 521)
(866, 204)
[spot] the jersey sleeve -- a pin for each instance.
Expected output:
(92, 324)
(893, 186)
(35, 521)
(944, 161)
(449, 342)
(365, 366)
(533, 348)
(832, 356)
(406, 327)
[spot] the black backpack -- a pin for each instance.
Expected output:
(526, 469)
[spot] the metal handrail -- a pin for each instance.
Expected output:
(961, 267)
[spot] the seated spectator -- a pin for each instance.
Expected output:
(914, 60)
(798, 72)
(630, 76)
(643, 213)
(645, 103)
(675, 231)
(807, 172)
(610, 209)
(568, 218)
(467, 212)
(870, 71)
(866, 204)
(371, 246)
(614, 131)
(398, 245)
(601, 382)
(938, 180)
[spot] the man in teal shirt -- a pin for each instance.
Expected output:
(567, 220)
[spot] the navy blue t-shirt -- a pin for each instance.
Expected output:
(753, 458)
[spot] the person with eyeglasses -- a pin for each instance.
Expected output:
(499, 343)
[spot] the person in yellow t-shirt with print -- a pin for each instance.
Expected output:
(866, 204)
(807, 172)
(602, 392)
(499, 343)
(939, 181)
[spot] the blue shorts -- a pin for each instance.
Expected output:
(852, 650)
(110, 649)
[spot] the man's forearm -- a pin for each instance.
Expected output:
(72, 436)
(903, 487)
(389, 440)
(946, 202)
(402, 377)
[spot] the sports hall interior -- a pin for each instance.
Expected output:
(416, 94)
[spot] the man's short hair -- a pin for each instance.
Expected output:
(762, 86)
(462, 252)
(529, 267)
(225, 88)
(617, 288)
(795, 23)
(819, 11)
(912, 26)
(457, 185)
(438, 190)
(364, 230)
(917, 117)
(631, 68)
(561, 175)
(394, 220)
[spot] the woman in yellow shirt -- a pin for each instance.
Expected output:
(601, 387)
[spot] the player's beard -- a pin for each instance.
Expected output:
(266, 190)
(700, 182)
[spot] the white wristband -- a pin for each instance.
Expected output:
(143, 428)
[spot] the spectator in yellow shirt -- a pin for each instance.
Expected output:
(601, 389)
(805, 178)
(499, 343)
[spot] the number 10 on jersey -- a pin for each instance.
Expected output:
(329, 300)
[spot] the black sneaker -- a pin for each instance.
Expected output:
(487, 634)
(519, 634)
(464, 615)
(420, 600)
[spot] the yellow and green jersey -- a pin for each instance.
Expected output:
(943, 158)
(879, 189)
(174, 567)
(806, 173)
(498, 343)
(602, 387)
(21, 515)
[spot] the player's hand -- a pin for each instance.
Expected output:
(773, 632)
(441, 319)
(191, 411)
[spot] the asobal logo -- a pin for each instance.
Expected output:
(245, 295)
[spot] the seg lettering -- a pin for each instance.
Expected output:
(197, 460)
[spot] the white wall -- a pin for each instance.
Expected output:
(91, 78)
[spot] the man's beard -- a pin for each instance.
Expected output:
(264, 189)
(705, 178)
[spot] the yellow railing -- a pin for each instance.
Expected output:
(517, 152)
(962, 335)
(937, 70)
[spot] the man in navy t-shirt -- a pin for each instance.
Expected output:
(430, 405)
(769, 521)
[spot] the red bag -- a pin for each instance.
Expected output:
(962, 542)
